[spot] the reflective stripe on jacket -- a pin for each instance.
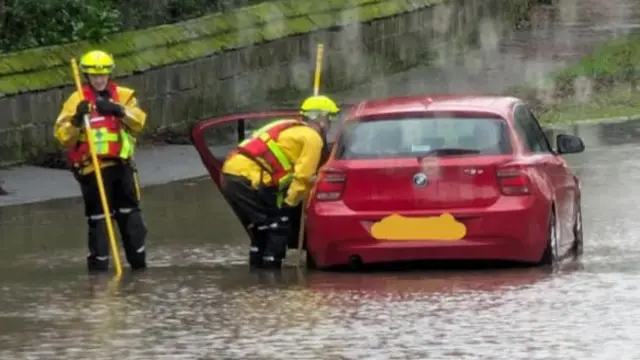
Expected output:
(68, 135)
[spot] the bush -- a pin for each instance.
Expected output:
(34, 23)
(139, 14)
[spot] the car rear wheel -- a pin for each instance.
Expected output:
(550, 255)
(578, 244)
(310, 263)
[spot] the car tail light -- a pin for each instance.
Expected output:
(330, 185)
(514, 180)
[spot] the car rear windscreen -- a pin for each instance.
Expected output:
(428, 136)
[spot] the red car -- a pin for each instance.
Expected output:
(432, 178)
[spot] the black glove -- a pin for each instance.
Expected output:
(288, 211)
(82, 109)
(106, 107)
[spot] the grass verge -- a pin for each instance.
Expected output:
(614, 104)
(603, 84)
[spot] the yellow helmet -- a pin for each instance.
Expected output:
(319, 103)
(97, 62)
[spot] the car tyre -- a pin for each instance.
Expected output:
(310, 263)
(550, 255)
(578, 242)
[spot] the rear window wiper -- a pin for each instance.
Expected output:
(447, 152)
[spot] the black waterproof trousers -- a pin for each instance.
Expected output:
(259, 213)
(122, 195)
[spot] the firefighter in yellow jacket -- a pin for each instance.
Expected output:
(269, 175)
(115, 117)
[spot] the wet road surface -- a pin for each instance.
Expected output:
(200, 301)
(156, 165)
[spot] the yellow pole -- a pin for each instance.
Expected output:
(316, 79)
(98, 172)
(137, 183)
(316, 91)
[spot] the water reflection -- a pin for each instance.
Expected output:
(243, 314)
(181, 216)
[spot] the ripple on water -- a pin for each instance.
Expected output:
(174, 315)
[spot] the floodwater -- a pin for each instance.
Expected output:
(200, 301)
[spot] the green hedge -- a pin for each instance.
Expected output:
(47, 67)
(140, 14)
(32, 23)
(27, 24)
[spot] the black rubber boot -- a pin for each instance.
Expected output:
(255, 256)
(256, 251)
(271, 263)
(98, 258)
(133, 232)
(276, 249)
(95, 265)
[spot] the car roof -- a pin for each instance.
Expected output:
(498, 105)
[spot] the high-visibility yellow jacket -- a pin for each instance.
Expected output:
(68, 135)
(302, 145)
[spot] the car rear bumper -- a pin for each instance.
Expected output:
(511, 230)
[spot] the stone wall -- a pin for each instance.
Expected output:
(268, 74)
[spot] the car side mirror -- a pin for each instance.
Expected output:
(569, 144)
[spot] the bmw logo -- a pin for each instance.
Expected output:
(420, 179)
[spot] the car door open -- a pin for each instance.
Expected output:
(215, 138)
